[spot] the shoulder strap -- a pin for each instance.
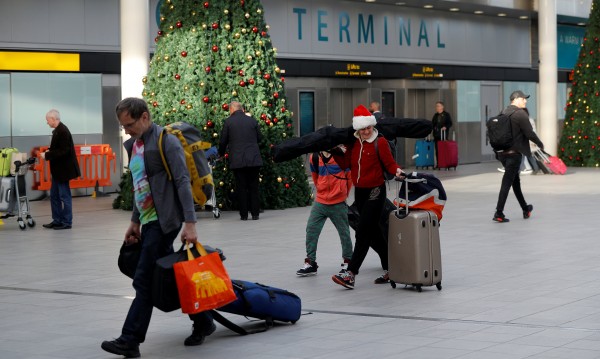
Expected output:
(162, 154)
(315, 162)
(236, 328)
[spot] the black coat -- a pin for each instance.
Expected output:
(61, 155)
(438, 121)
(241, 135)
(521, 130)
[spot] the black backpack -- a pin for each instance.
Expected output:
(499, 132)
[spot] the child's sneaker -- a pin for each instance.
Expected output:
(309, 268)
(384, 278)
(344, 264)
(345, 278)
(527, 211)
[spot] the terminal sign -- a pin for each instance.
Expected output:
(353, 70)
(427, 72)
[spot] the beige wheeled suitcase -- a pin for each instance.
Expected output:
(414, 251)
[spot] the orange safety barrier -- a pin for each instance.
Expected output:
(94, 163)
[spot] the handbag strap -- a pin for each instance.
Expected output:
(200, 249)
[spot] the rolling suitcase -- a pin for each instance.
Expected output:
(414, 251)
(447, 153)
(424, 152)
(550, 164)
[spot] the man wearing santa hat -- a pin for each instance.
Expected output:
(368, 157)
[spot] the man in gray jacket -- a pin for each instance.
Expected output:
(522, 133)
(161, 206)
(241, 136)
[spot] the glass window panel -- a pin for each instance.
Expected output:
(4, 105)
(468, 94)
(307, 112)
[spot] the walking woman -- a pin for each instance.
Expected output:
(367, 158)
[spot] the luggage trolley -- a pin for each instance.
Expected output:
(16, 195)
(212, 156)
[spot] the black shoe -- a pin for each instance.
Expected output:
(121, 347)
(61, 226)
(384, 278)
(199, 335)
(309, 268)
(50, 225)
(255, 218)
(500, 218)
(527, 211)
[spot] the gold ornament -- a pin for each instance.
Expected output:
(244, 31)
(166, 58)
(270, 84)
(227, 27)
(247, 16)
(173, 110)
(233, 93)
(191, 63)
(249, 58)
(215, 135)
(270, 124)
(205, 128)
(189, 107)
(274, 49)
(144, 79)
(193, 29)
(204, 26)
(257, 53)
(264, 103)
(284, 134)
(185, 88)
(168, 1)
(279, 179)
(237, 35)
(171, 27)
(221, 184)
(268, 27)
(220, 205)
(229, 47)
(260, 42)
(226, 12)
(162, 18)
(201, 84)
(193, 13)
(152, 94)
(282, 100)
(144, 94)
(171, 7)
(259, 11)
(277, 69)
(260, 180)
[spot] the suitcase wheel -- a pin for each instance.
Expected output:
(393, 284)
(439, 286)
(419, 288)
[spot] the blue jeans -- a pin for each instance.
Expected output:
(512, 165)
(155, 245)
(61, 203)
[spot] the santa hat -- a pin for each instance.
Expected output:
(362, 118)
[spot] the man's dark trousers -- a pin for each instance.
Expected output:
(155, 245)
(512, 166)
(246, 183)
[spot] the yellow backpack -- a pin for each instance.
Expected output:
(197, 164)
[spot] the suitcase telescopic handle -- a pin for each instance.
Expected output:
(407, 180)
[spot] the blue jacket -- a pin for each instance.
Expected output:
(173, 200)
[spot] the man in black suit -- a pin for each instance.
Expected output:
(241, 136)
(374, 108)
(63, 168)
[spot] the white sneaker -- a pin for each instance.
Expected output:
(344, 264)
(501, 169)
(526, 172)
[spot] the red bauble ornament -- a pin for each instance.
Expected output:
(179, 24)
(276, 95)
(177, 76)
(251, 81)
(206, 4)
(160, 33)
(182, 102)
(156, 39)
(215, 25)
(228, 69)
(225, 107)
(585, 137)
(282, 79)
(268, 122)
(289, 125)
(263, 33)
(598, 69)
(210, 124)
(275, 120)
(241, 72)
(263, 117)
(215, 48)
(593, 147)
(226, 156)
(598, 138)
(579, 132)
(562, 149)
(242, 2)
(287, 186)
(155, 104)
(282, 109)
(267, 77)
(206, 99)
(207, 69)
(184, 53)
(254, 29)
(242, 83)
(597, 93)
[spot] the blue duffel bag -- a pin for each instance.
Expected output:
(262, 302)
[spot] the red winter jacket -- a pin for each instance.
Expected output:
(366, 167)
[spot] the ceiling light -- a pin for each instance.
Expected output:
(523, 17)
(478, 12)
(428, 6)
(581, 23)
(400, 3)
(501, 14)
(454, 9)
(369, 0)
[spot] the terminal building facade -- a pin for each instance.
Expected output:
(334, 55)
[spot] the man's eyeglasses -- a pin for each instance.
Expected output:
(128, 125)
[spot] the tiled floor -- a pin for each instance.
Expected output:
(526, 289)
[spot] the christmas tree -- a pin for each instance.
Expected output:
(213, 52)
(580, 141)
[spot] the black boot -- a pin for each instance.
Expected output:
(121, 347)
(198, 335)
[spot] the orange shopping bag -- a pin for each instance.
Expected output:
(202, 282)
